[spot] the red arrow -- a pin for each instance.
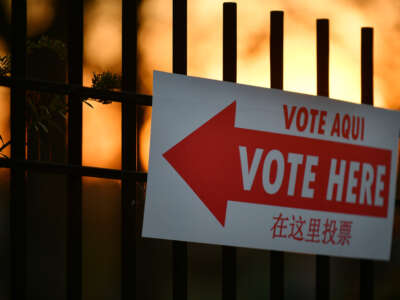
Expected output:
(208, 160)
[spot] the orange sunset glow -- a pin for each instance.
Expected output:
(102, 46)
(346, 19)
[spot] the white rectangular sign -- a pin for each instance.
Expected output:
(244, 166)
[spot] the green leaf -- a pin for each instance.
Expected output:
(4, 156)
(5, 65)
(87, 102)
(44, 42)
(62, 114)
(55, 125)
(43, 127)
(108, 81)
(32, 106)
(5, 146)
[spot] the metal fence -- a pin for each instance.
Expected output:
(129, 175)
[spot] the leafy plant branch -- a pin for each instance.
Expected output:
(43, 109)
(4, 146)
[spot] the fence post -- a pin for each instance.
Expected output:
(74, 206)
(276, 70)
(367, 97)
(129, 151)
(179, 65)
(229, 74)
(323, 269)
(17, 182)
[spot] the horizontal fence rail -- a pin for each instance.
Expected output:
(51, 167)
(73, 89)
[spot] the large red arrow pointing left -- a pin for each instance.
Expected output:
(208, 160)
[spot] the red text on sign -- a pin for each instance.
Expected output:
(312, 230)
(312, 120)
(350, 127)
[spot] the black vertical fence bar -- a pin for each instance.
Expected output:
(179, 66)
(367, 68)
(17, 183)
(367, 97)
(74, 206)
(276, 49)
(322, 262)
(323, 57)
(276, 62)
(229, 74)
(129, 151)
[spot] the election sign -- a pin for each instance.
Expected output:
(244, 166)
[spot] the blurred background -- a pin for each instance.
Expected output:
(102, 137)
